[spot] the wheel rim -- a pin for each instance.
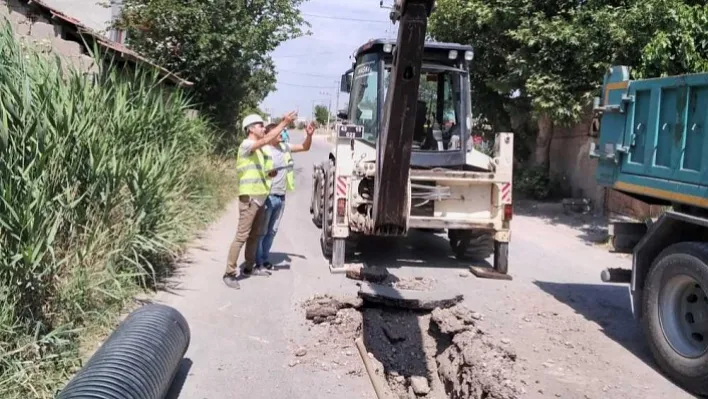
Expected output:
(683, 311)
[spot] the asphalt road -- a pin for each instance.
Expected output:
(574, 335)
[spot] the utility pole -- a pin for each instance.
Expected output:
(329, 113)
(337, 89)
(329, 107)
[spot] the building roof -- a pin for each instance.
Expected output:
(91, 37)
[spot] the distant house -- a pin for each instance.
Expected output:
(97, 15)
(49, 29)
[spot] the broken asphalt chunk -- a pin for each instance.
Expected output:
(367, 273)
(406, 299)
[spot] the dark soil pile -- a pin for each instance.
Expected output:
(439, 354)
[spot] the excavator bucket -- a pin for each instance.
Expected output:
(395, 143)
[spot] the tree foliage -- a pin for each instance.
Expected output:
(321, 114)
(676, 37)
(554, 53)
(291, 125)
(222, 46)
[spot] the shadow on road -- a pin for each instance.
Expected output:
(608, 306)
(180, 378)
(419, 249)
(282, 260)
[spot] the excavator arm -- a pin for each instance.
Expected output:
(395, 142)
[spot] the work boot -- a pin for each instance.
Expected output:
(256, 271)
(231, 281)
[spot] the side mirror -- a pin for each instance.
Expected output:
(346, 83)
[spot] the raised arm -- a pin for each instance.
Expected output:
(287, 119)
(305, 146)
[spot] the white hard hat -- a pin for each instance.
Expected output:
(251, 119)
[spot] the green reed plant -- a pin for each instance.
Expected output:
(103, 178)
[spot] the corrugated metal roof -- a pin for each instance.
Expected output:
(103, 41)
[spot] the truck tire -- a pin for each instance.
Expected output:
(327, 212)
(313, 192)
(471, 244)
(674, 303)
(317, 197)
(501, 257)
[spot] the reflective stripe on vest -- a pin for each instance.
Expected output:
(290, 176)
(250, 171)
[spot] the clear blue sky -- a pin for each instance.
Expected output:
(336, 33)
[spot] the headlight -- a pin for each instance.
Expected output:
(469, 55)
(452, 55)
(388, 47)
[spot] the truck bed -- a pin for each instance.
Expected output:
(654, 137)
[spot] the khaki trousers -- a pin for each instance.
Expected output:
(250, 226)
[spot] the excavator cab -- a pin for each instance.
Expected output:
(399, 158)
(443, 120)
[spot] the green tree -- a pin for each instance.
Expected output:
(277, 120)
(554, 54)
(322, 114)
(675, 37)
(222, 46)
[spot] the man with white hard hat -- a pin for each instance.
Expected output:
(254, 186)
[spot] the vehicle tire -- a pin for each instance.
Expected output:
(453, 236)
(327, 212)
(501, 257)
(317, 197)
(674, 303)
(313, 192)
(458, 242)
(471, 244)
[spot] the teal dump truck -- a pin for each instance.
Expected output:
(653, 145)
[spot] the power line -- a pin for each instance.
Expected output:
(303, 55)
(306, 86)
(346, 19)
(308, 74)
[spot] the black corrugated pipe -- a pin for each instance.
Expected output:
(139, 359)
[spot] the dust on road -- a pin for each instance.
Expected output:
(571, 336)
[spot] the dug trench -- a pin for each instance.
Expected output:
(420, 343)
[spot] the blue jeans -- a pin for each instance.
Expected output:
(273, 212)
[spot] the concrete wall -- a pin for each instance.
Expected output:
(570, 164)
(37, 32)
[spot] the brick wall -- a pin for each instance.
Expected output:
(40, 33)
(570, 164)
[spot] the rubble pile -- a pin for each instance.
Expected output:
(425, 352)
(473, 365)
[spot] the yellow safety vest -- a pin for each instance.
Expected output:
(290, 175)
(250, 171)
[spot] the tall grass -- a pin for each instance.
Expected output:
(101, 182)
